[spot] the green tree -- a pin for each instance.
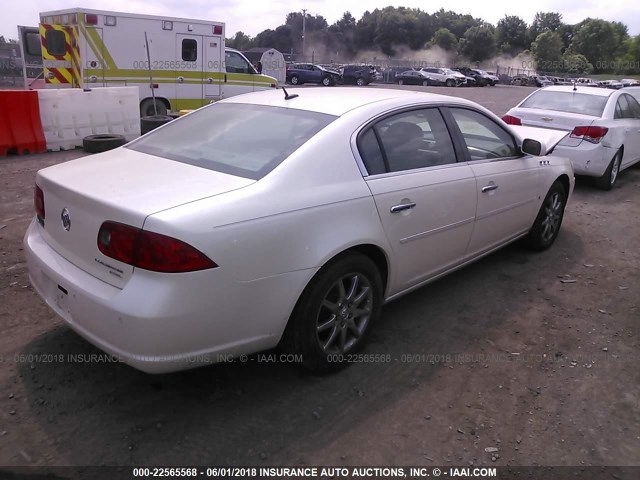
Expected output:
(240, 41)
(342, 36)
(444, 39)
(511, 34)
(544, 22)
(575, 64)
(596, 39)
(478, 44)
(547, 51)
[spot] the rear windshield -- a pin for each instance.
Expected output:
(569, 102)
(243, 140)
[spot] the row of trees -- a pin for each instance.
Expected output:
(593, 45)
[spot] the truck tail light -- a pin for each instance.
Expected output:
(91, 19)
(511, 120)
(591, 134)
(149, 250)
(38, 203)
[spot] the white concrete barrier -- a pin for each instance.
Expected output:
(70, 114)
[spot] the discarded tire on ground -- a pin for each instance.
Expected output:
(102, 142)
(152, 122)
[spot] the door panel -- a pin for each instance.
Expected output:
(507, 192)
(213, 68)
(189, 77)
(433, 235)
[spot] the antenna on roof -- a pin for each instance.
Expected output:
(574, 86)
(287, 96)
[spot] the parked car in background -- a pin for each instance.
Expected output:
(587, 82)
(612, 84)
(360, 75)
(447, 76)
(299, 73)
(417, 77)
(215, 236)
(630, 82)
(542, 81)
(602, 127)
(481, 77)
(522, 80)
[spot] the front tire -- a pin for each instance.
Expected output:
(295, 80)
(326, 81)
(400, 82)
(360, 82)
(547, 224)
(608, 179)
(334, 314)
(425, 83)
(451, 82)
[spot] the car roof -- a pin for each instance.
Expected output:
(600, 92)
(340, 100)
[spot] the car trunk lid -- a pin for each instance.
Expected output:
(554, 120)
(123, 186)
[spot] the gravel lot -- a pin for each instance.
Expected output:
(501, 354)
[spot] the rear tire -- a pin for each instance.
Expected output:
(152, 122)
(146, 107)
(608, 179)
(400, 82)
(547, 224)
(360, 82)
(102, 143)
(335, 313)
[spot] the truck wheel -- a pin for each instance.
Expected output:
(152, 122)
(102, 143)
(146, 107)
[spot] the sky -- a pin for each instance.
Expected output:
(253, 16)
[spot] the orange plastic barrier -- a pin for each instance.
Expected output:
(20, 127)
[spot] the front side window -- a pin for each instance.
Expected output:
(408, 141)
(239, 139)
(235, 63)
(55, 42)
(485, 139)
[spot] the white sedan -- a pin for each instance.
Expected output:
(269, 219)
(602, 126)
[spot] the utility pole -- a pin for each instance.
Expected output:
(304, 24)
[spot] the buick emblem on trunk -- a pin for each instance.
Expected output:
(65, 216)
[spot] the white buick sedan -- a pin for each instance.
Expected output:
(269, 219)
(602, 127)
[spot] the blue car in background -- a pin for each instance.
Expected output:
(299, 73)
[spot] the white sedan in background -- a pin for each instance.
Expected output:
(269, 219)
(602, 125)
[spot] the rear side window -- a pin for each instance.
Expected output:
(407, 141)
(189, 50)
(32, 43)
(243, 140)
(570, 102)
(55, 42)
(485, 139)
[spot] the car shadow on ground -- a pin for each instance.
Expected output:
(259, 412)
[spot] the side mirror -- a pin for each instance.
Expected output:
(534, 147)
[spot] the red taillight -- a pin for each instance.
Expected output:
(511, 120)
(38, 203)
(590, 134)
(217, 29)
(150, 250)
(91, 19)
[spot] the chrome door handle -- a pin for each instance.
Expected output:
(180, 79)
(402, 207)
(209, 80)
(488, 188)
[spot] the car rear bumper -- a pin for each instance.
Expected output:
(165, 322)
(587, 158)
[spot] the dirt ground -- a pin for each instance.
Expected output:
(501, 354)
